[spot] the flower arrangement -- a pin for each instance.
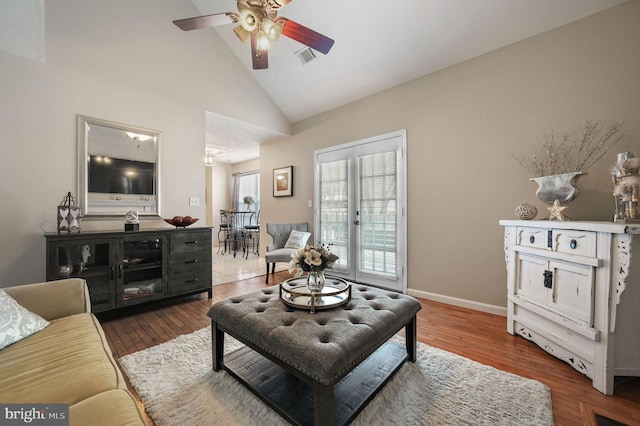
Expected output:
(311, 259)
(248, 200)
(567, 153)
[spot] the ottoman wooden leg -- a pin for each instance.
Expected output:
(410, 332)
(217, 346)
(322, 404)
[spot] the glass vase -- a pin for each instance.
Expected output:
(315, 281)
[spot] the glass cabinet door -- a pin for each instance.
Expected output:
(141, 269)
(91, 260)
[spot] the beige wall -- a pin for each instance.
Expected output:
(246, 166)
(219, 190)
(117, 61)
(462, 123)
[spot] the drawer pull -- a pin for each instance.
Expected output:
(532, 239)
(195, 280)
(191, 261)
(191, 242)
(573, 244)
(548, 279)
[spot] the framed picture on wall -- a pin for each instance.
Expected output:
(283, 182)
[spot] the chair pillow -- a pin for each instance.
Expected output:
(297, 239)
(16, 322)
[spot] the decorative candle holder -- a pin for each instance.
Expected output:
(69, 214)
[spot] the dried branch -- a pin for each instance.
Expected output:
(565, 153)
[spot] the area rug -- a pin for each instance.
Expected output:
(178, 387)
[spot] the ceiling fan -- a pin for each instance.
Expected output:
(259, 20)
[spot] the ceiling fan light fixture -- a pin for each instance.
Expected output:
(248, 20)
(259, 21)
(271, 29)
(263, 41)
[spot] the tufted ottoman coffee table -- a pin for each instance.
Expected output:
(320, 368)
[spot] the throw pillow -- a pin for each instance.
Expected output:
(297, 239)
(16, 322)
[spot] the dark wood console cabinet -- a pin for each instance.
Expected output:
(129, 268)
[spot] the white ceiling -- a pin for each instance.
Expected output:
(380, 44)
(232, 141)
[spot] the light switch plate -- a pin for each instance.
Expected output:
(194, 202)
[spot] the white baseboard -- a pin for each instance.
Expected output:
(464, 303)
(627, 372)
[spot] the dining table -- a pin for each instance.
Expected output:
(235, 230)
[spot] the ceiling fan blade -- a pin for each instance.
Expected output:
(242, 34)
(198, 22)
(306, 36)
(260, 57)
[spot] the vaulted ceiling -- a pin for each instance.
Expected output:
(381, 44)
(378, 45)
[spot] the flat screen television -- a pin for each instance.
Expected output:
(117, 176)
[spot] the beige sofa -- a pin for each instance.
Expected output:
(69, 361)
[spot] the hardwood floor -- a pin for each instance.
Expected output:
(476, 335)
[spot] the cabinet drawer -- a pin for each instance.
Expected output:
(190, 241)
(188, 282)
(532, 237)
(185, 263)
(189, 271)
(582, 243)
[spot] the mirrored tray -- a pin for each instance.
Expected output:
(294, 292)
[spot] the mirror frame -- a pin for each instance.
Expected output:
(113, 206)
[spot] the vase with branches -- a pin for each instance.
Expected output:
(561, 158)
(569, 152)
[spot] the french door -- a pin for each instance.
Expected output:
(360, 199)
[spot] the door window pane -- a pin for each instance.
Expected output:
(334, 209)
(378, 212)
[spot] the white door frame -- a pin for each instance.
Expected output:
(400, 138)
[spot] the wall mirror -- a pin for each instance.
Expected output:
(118, 168)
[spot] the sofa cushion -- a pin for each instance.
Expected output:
(16, 322)
(65, 363)
(114, 407)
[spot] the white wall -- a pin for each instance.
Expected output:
(462, 123)
(122, 61)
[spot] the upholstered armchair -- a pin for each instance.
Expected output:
(277, 252)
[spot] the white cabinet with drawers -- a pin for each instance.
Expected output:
(573, 290)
